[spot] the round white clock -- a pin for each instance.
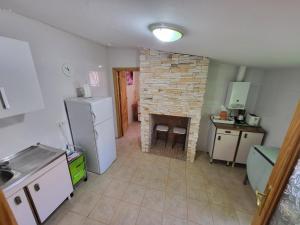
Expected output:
(66, 69)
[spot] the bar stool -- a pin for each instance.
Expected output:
(164, 130)
(177, 132)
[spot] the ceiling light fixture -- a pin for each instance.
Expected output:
(166, 32)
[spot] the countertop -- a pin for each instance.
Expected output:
(29, 161)
(239, 127)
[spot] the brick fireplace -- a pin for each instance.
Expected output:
(172, 84)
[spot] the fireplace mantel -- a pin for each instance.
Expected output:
(172, 84)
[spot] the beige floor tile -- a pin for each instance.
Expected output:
(197, 193)
(97, 185)
(116, 189)
(244, 218)
(92, 222)
(177, 186)
(134, 194)
(126, 214)
(83, 203)
(158, 183)
(104, 210)
(223, 215)
(141, 177)
(176, 205)
(171, 220)
(218, 195)
(154, 199)
(199, 212)
(124, 173)
(149, 217)
(72, 218)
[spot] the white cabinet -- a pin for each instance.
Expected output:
(50, 190)
(247, 140)
(237, 95)
(19, 87)
(225, 144)
(21, 209)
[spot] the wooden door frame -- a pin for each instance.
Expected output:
(283, 168)
(115, 72)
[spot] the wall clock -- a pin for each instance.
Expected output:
(66, 69)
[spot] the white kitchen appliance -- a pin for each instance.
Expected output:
(252, 119)
(237, 95)
(92, 127)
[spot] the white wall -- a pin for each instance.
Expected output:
(50, 48)
(219, 77)
(277, 102)
(121, 57)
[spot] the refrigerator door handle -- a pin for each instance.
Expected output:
(3, 98)
(94, 116)
(96, 134)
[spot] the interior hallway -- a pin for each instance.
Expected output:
(146, 189)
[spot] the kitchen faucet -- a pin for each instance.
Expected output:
(4, 165)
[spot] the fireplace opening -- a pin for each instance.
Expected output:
(169, 135)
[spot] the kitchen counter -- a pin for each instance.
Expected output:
(237, 127)
(29, 161)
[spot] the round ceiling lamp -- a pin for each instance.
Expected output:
(166, 32)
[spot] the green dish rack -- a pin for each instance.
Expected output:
(77, 167)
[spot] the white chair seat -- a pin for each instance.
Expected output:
(162, 128)
(178, 130)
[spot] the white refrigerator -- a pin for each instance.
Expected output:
(92, 128)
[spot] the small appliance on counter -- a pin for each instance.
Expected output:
(252, 119)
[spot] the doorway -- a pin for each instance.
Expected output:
(126, 90)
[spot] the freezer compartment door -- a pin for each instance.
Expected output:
(106, 144)
(102, 110)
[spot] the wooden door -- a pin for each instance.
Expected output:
(283, 168)
(123, 100)
(247, 140)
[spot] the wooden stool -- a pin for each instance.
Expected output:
(162, 129)
(178, 131)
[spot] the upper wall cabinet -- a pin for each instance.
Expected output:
(19, 87)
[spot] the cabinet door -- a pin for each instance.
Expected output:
(225, 146)
(106, 144)
(19, 87)
(247, 140)
(21, 209)
(50, 190)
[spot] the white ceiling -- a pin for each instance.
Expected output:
(262, 33)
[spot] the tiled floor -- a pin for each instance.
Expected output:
(146, 189)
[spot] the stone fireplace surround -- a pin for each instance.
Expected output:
(172, 84)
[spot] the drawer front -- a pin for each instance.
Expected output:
(77, 170)
(231, 132)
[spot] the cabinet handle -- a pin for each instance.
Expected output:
(96, 134)
(36, 187)
(245, 135)
(219, 138)
(18, 200)
(4, 99)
